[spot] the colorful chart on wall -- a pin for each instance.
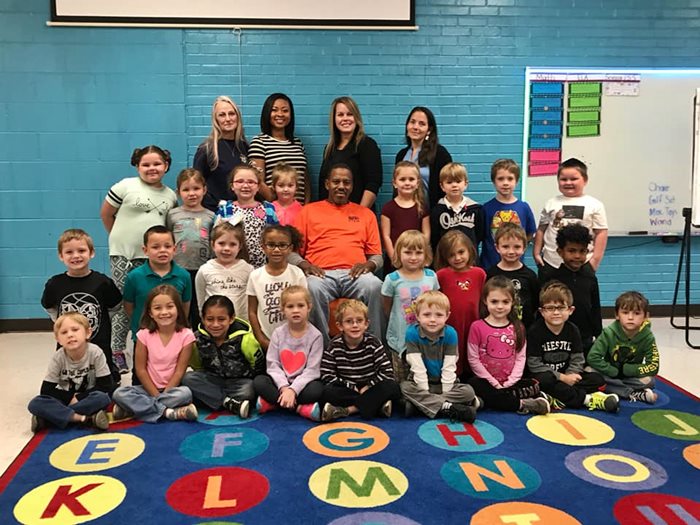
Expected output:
(633, 128)
(639, 466)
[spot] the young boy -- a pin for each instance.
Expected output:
(431, 353)
(555, 356)
(356, 369)
(504, 208)
(159, 247)
(572, 247)
(83, 290)
(511, 241)
(455, 210)
(626, 352)
(571, 207)
(78, 381)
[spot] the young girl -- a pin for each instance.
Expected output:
(131, 207)
(293, 361)
(497, 353)
(266, 284)
(245, 209)
(163, 350)
(400, 290)
(284, 183)
(461, 282)
(229, 357)
(226, 274)
(191, 224)
(404, 212)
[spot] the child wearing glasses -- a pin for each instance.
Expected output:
(555, 356)
(266, 284)
(246, 210)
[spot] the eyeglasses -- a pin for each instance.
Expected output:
(551, 309)
(245, 182)
(277, 245)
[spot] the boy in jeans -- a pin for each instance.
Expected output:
(431, 353)
(555, 356)
(626, 352)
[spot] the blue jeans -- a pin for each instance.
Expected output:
(148, 408)
(60, 415)
(337, 284)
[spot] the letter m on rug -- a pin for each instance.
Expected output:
(505, 476)
(363, 490)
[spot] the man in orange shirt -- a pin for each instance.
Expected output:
(340, 252)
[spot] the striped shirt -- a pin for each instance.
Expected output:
(274, 151)
(367, 364)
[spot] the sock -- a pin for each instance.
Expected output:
(587, 400)
(169, 413)
(446, 405)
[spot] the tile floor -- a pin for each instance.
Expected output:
(23, 359)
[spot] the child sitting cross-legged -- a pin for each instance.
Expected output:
(356, 369)
(431, 353)
(555, 356)
(77, 384)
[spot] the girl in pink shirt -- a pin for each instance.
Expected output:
(163, 349)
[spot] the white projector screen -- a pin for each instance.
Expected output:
(398, 13)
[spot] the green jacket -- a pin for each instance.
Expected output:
(616, 355)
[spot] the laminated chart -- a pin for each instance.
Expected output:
(583, 112)
(546, 127)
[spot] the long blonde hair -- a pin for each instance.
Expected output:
(359, 132)
(419, 193)
(211, 144)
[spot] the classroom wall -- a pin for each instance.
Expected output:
(74, 102)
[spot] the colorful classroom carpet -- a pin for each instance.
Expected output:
(640, 466)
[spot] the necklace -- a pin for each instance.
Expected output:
(232, 151)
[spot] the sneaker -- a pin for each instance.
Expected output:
(310, 411)
(238, 408)
(607, 402)
(119, 413)
(262, 406)
(386, 409)
(38, 424)
(185, 413)
(119, 360)
(332, 412)
(98, 420)
(534, 405)
(646, 395)
(554, 403)
(459, 412)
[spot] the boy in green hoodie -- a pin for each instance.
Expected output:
(626, 353)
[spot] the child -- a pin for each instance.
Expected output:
(555, 356)
(227, 273)
(572, 206)
(355, 369)
(83, 290)
(159, 247)
(266, 284)
(131, 207)
(400, 290)
(504, 208)
(78, 381)
(510, 245)
(497, 354)
(230, 357)
(626, 352)
(163, 350)
(455, 211)
(579, 277)
(284, 184)
(404, 212)
(431, 352)
(461, 282)
(293, 361)
(191, 224)
(253, 214)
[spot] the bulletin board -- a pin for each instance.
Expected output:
(633, 128)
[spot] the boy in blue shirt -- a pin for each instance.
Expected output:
(503, 208)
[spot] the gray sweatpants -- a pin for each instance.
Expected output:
(625, 386)
(430, 402)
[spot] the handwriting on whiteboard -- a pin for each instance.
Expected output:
(662, 205)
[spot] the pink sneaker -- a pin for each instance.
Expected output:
(311, 411)
(263, 406)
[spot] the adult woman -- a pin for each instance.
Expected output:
(276, 144)
(224, 149)
(349, 145)
(425, 150)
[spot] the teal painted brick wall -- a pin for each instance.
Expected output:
(74, 102)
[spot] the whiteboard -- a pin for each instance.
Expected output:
(640, 165)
